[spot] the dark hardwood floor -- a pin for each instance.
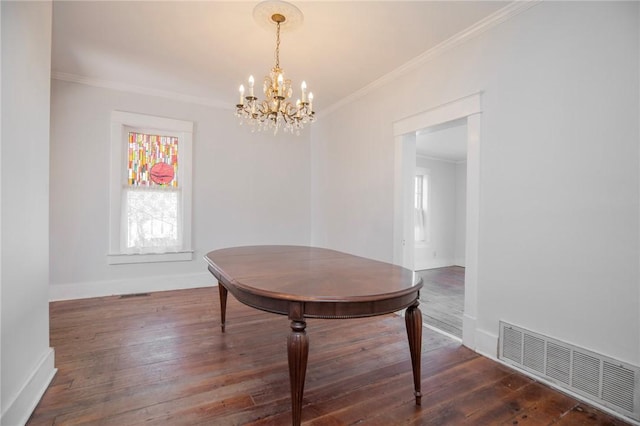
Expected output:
(443, 298)
(161, 359)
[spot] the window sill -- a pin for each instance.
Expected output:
(120, 259)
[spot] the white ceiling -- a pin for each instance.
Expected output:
(206, 49)
(447, 141)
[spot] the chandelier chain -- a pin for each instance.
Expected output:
(278, 46)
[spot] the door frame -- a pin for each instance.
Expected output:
(404, 132)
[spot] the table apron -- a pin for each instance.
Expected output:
(325, 309)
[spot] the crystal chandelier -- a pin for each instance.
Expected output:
(276, 110)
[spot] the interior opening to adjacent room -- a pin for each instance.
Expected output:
(440, 223)
(467, 110)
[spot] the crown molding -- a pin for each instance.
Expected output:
(131, 88)
(511, 10)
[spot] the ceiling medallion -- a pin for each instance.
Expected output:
(276, 111)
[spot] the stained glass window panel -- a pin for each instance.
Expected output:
(152, 160)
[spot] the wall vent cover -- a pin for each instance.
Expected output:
(598, 378)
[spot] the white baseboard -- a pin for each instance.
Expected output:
(487, 344)
(20, 408)
(129, 286)
(480, 341)
(469, 331)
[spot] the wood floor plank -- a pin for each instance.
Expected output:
(442, 298)
(162, 359)
(584, 415)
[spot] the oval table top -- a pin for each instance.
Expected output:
(329, 284)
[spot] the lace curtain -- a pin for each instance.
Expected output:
(152, 217)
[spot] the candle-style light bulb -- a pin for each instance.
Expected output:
(280, 84)
(310, 101)
(303, 88)
(241, 94)
(251, 81)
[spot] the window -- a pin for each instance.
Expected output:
(150, 201)
(421, 204)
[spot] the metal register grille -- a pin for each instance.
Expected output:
(598, 378)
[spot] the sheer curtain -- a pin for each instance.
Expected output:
(152, 216)
(419, 208)
(419, 225)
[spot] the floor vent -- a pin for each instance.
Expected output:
(127, 296)
(603, 380)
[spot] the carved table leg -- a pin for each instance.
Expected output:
(223, 303)
(298, 351)
(413, 321)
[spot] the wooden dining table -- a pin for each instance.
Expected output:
(309, 282)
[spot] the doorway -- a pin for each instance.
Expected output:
(467, 110)
(440, 223)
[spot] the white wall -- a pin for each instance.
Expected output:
(352, 181)
(439, 251)
(26, 358)
(558, 232)
(248, 189)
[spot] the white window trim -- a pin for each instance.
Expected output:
(121, 124)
